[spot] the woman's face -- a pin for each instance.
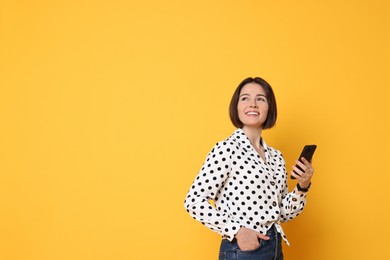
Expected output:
(252, 105)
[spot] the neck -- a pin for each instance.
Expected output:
(253, 134)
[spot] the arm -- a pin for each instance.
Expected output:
(294, 202)
(209, 181)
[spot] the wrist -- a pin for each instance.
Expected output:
(303, 189)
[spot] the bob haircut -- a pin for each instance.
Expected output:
(272, 110)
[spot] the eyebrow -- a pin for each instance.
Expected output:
(261, 95)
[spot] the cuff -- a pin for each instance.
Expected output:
(297, 198)
(230, 229)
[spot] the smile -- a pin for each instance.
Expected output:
(252, 113)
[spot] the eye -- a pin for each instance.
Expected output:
(261, 99)
(244, 99)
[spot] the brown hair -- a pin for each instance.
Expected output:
(272, 110)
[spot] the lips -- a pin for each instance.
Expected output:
(252, 113)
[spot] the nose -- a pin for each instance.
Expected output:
(254, 104)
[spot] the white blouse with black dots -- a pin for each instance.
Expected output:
(247, 192)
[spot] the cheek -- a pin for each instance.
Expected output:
(263, 109)
(266, 109)
(240, 111)
(239, 108)
(265, 112)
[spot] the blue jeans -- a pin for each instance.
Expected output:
(269, 249)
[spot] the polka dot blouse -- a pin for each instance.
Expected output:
(246, 190)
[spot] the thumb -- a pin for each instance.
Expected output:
(261, 236)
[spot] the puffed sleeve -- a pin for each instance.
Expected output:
(210, 179)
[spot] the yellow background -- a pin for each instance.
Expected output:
(108, 109)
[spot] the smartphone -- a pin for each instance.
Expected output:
(307, 153)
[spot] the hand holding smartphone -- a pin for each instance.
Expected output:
(307, 153)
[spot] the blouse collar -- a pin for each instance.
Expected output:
(241, 137)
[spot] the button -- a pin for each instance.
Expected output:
(274, 204)
(272, 183)
(294, 199)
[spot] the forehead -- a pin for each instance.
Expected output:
(252, 88)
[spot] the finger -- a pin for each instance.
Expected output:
(309, 169)
(301, 164)
(294, 174)
(306, 162)
(261, 236)
(300, 170)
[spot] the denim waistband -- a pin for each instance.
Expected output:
(272, 231)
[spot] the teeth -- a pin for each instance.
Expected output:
(252, 113)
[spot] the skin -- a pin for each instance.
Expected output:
(252, 110)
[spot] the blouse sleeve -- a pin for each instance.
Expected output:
(292, 204)
(208, 182)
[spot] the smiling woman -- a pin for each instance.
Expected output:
(247, 180)
(265, 91)
(252, 105)
(108, 108)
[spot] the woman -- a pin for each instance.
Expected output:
(247, 181)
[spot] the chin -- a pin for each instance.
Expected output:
(260, 126)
